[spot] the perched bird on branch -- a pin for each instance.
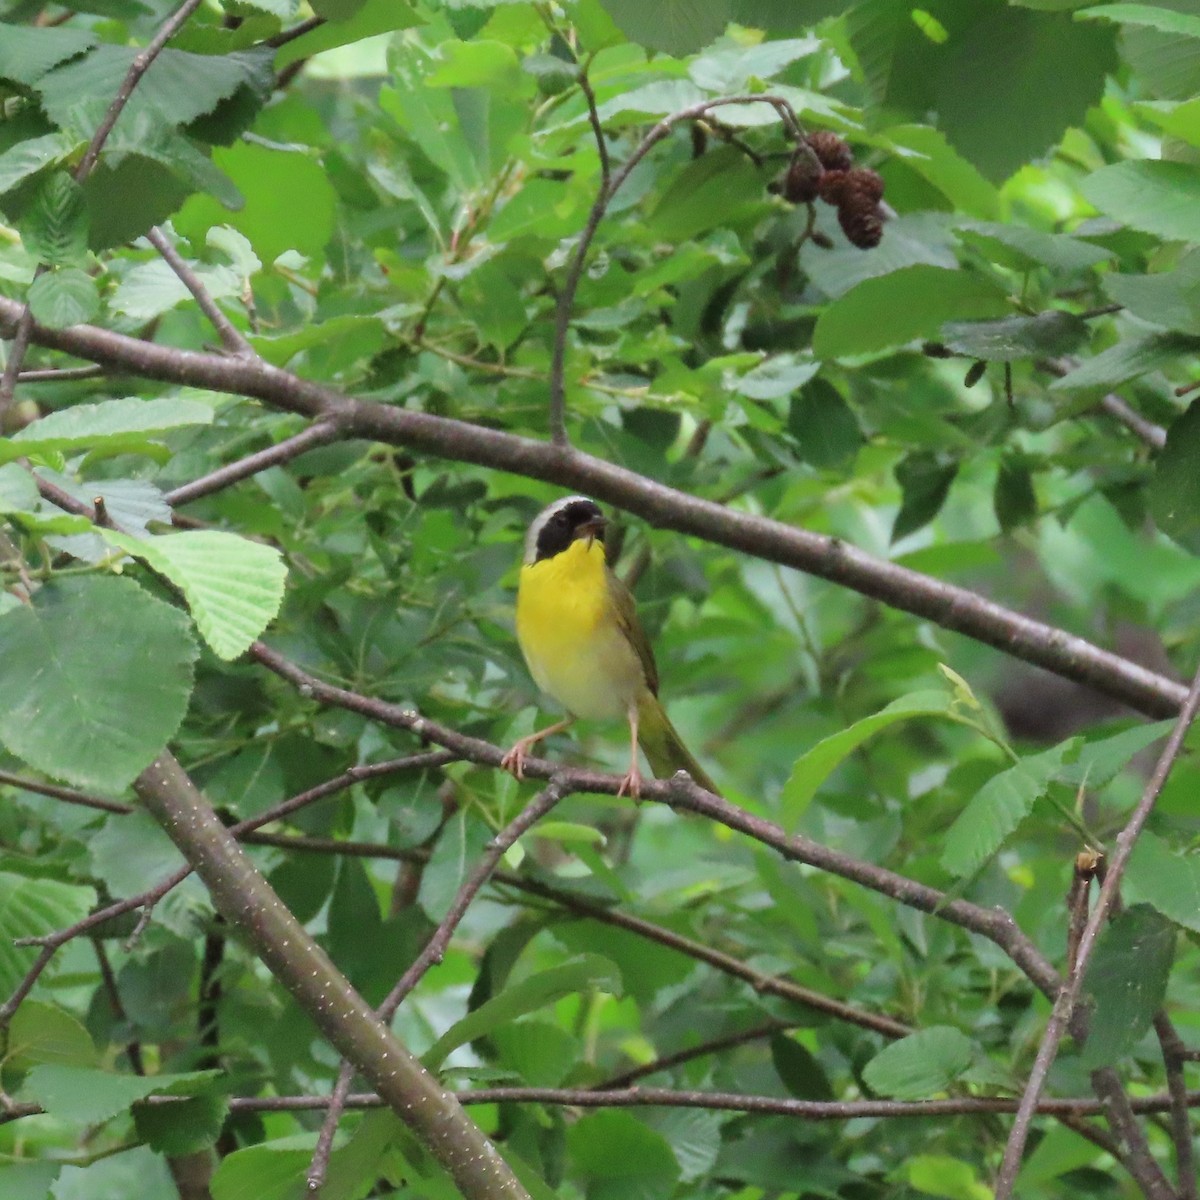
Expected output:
(584, 645)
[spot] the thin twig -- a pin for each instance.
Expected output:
(432, 954)
(585, 86)
(318, 434)
(1172, 1048)
(290, 35)
(1154, 436)
(566, 296)
(701, 1050)
(59, 374)
(1069, 994)
(231, 338)
(70, 795)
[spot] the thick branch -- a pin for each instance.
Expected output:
(246, 900)
(944, 604)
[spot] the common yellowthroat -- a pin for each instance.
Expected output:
(584, 645)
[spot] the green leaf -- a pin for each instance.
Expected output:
(1127, 360)
(187, 1127)
(587, 972)
(1127, 982)
(940, 1175)
(45, 1033)
(1020, 248)
(33, 908)
(177, 88)
(1175, 486)
(479, 63)
(88, 1096)
(233, 586)
(372, 18)
(66, 296)
(120, 426)
(541, 1053)
(26, 158)
(289, 201)
(675, 27)
(152, 288)
(1041, 72)
(999, 807)
(824, 426)
(55, 226)
(913, 302)
(718, 189)
(728, 70)
(1014, 500)
(1100, 760)
(1013, 338)
(799, 1070)
(920, 1065)
(816, 765)
(1165, 879)
(1162, 19)
(28, 1180)
(1156, 197)
(95, 676)
(26, 54)
(777, 377)
(1170, 299)
(924, 480)
(927, 152)
(621, 1158)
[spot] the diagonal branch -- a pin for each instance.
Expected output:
(944, 604)
(430, 956)
(230, 337)
(1068, 996)
(247, 901)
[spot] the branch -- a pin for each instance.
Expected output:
(1181, 1130)
(945, 604)
(59, 374)
(1155, 436)
(431, 955)
(319, 434)
(1069, 995)
(245, 899)
(807, 1110)
(51, 943)
(681, 793)
(70, 795)
(230, 337)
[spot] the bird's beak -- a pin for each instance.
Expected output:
(593, 529)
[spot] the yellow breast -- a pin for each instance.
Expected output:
(569, 634)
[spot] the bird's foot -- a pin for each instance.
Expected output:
(514, 760)
(631, 785)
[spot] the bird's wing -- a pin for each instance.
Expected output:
(626, 612)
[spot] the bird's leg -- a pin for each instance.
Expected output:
(632, 783)
(514, 760)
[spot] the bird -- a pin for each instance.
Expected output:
(579, 632)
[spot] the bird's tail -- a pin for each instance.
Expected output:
(664, 747)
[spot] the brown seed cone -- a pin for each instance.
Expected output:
(862, 188)
(863, 226)
(831, 185)
(802, 181)
(831, 150)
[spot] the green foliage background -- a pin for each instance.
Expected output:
(386, 205)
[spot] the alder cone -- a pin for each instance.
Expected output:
(863, 227)
(831, 185)
(862, 187)
(831, 151)
(801, 184)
